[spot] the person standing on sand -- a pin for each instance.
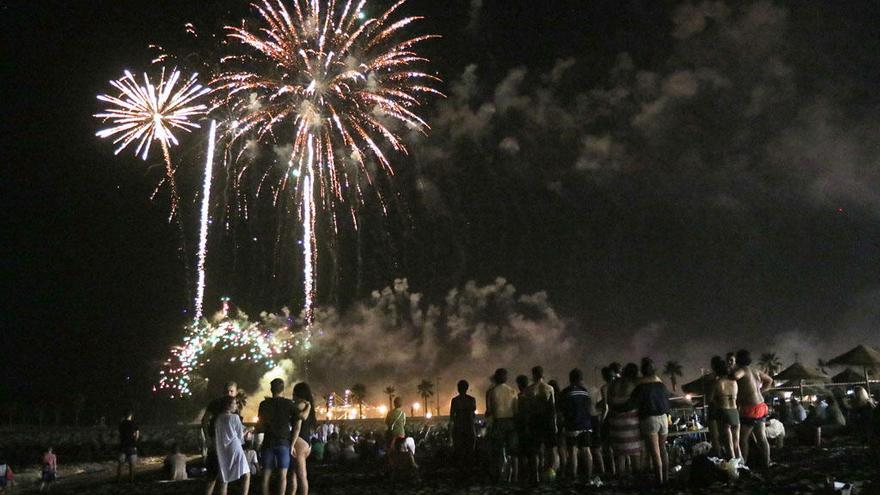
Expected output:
(304, 423)
(651, 398)
(723, 402)
(275, 421)
(543, 422)
(231, 460)
(462, 410)
(753, 410)
(604, 428)
(501, 406)
(576, 404)
(129, 434)
(50, 469)
(214, 409)
(624, 422)
(521, 454)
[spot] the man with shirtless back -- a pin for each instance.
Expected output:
(752, 409)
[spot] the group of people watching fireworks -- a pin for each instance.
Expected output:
(536, 430)
(533, 428)
(286, 426)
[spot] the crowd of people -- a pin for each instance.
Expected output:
(531, 431)
(536, 431)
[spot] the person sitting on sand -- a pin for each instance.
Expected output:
(175, 465)
(333, 449)
(753, 410)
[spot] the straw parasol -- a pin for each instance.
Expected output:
(700, 386)
(805, 389)
(797, 372)
(861, 355)
(847, 376)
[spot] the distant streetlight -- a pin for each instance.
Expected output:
(415, 407)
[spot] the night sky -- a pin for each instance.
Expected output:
(681, 178)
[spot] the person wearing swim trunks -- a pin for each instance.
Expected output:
(501, 406)
(275, 419)
(726, 418)
(575, 403)
(543, 421)
(753, 410)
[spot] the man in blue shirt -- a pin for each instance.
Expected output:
(575, 403)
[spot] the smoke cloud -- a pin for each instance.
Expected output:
(396, 338)
(702, 189)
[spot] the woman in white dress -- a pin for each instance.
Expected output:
(229, 435)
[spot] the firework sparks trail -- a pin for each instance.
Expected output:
(342, 84)
(147, 113)
(203, 232)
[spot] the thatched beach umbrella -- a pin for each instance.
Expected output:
(805, 389)
(861, 355)
(797, 372)
(846, 376)
(700, 386)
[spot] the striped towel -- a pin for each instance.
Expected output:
(625, 433)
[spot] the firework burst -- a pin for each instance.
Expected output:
(232, 336)
(338, 84)
(344, 84)
(145, 113)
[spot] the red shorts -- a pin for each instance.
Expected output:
(750, 415)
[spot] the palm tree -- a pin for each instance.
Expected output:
(358, 394)
(426, 389)
(389, 391)
(673, 370)
(770, 363)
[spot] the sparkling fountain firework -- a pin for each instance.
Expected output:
(147, 113)
(340, 82)
(230, 335)
(203, 230)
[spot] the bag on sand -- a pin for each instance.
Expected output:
(704, 472)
